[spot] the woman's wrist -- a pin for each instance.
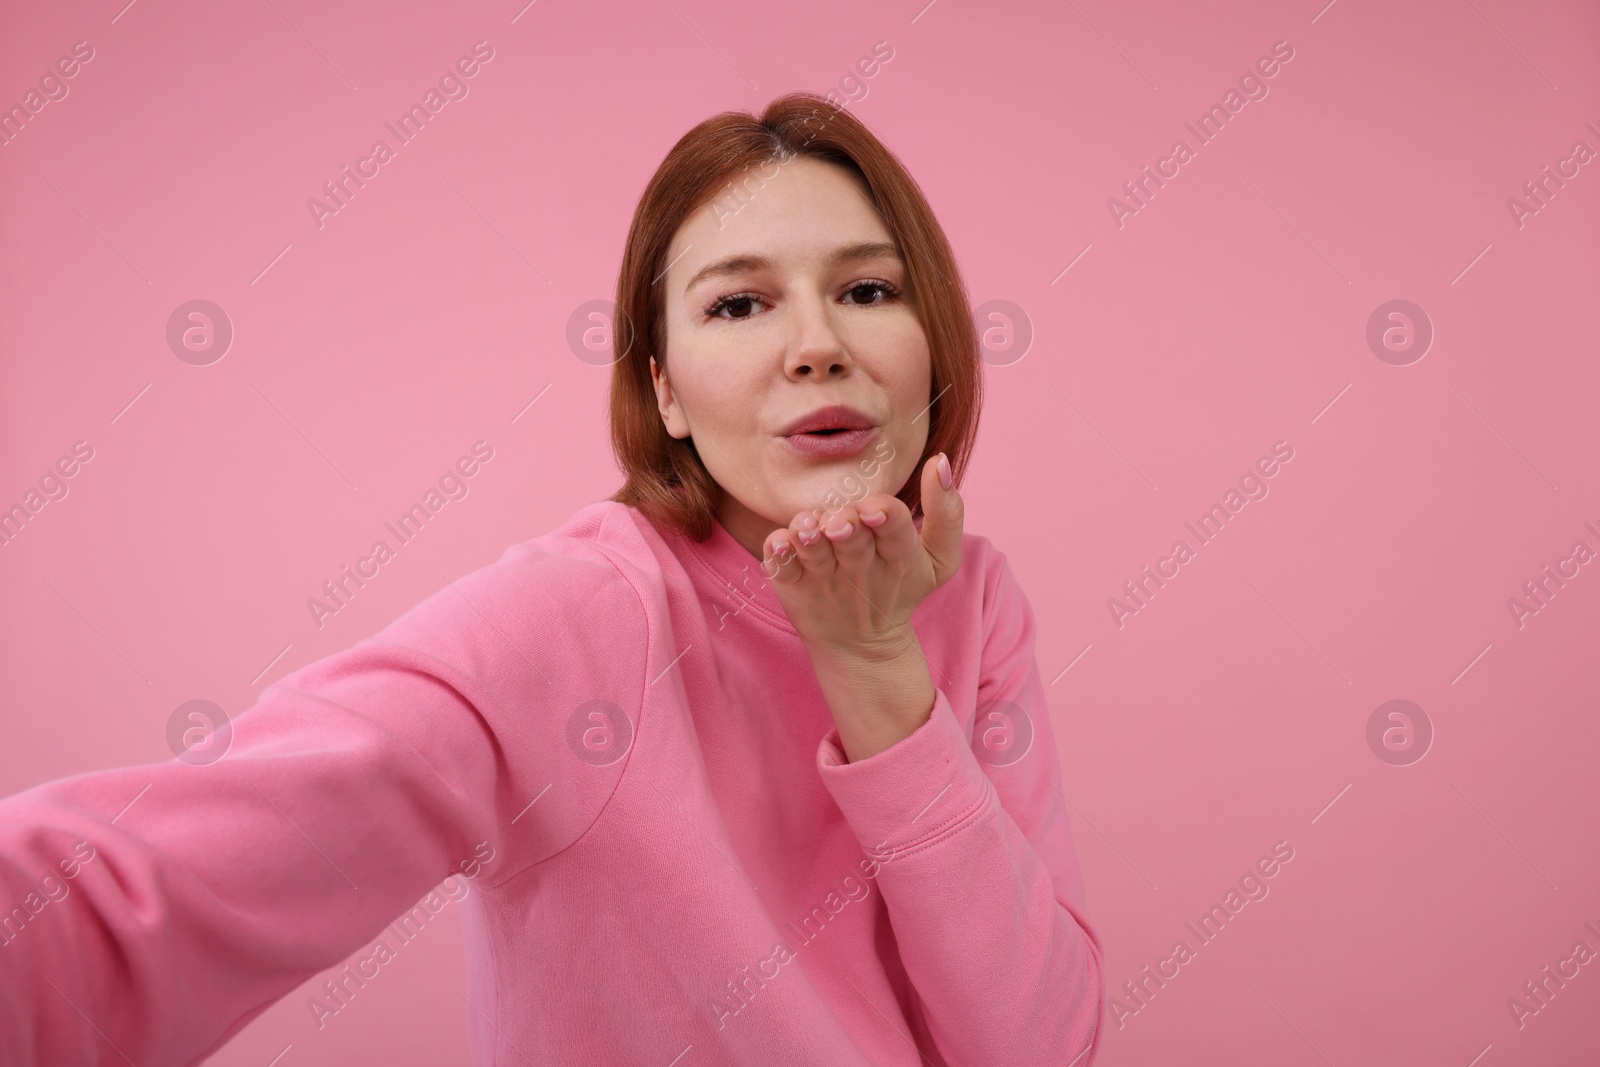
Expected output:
(878, 696)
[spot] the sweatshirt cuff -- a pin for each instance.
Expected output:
(924, 787)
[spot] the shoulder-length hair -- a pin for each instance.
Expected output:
(731, 155)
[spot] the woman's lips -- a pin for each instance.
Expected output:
(830, 445)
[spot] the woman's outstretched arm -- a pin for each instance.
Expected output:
(150, 912)
(977, 867)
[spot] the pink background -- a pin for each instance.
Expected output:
(1229, 313)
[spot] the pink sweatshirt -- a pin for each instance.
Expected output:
(616, 738)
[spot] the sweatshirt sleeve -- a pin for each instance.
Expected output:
(978, 871)
(150, 912)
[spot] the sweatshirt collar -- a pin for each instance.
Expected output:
(732, 581)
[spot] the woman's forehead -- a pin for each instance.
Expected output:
(797, 216)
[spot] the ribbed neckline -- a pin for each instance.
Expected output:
(731, 578)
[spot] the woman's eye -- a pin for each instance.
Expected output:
(870, 287)
(740, 302)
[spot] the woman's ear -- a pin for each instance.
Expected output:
(667, 403)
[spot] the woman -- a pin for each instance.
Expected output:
(748, 764)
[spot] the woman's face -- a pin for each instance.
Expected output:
(775, 310)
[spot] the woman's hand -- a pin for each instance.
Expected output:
(849, 585)
(851, 582)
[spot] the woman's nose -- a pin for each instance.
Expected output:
(815, 347)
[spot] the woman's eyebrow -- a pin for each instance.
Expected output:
(749, 261)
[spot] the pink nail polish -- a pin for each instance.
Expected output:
(945, 477)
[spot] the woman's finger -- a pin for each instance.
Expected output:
(890, 522)
(853, 542)
(781, 563)
(814, 550)
(943, 518)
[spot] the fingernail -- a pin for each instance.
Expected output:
(782, 551)
(842, 532)
(873, 518)
(945, 478)
(808, 537)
